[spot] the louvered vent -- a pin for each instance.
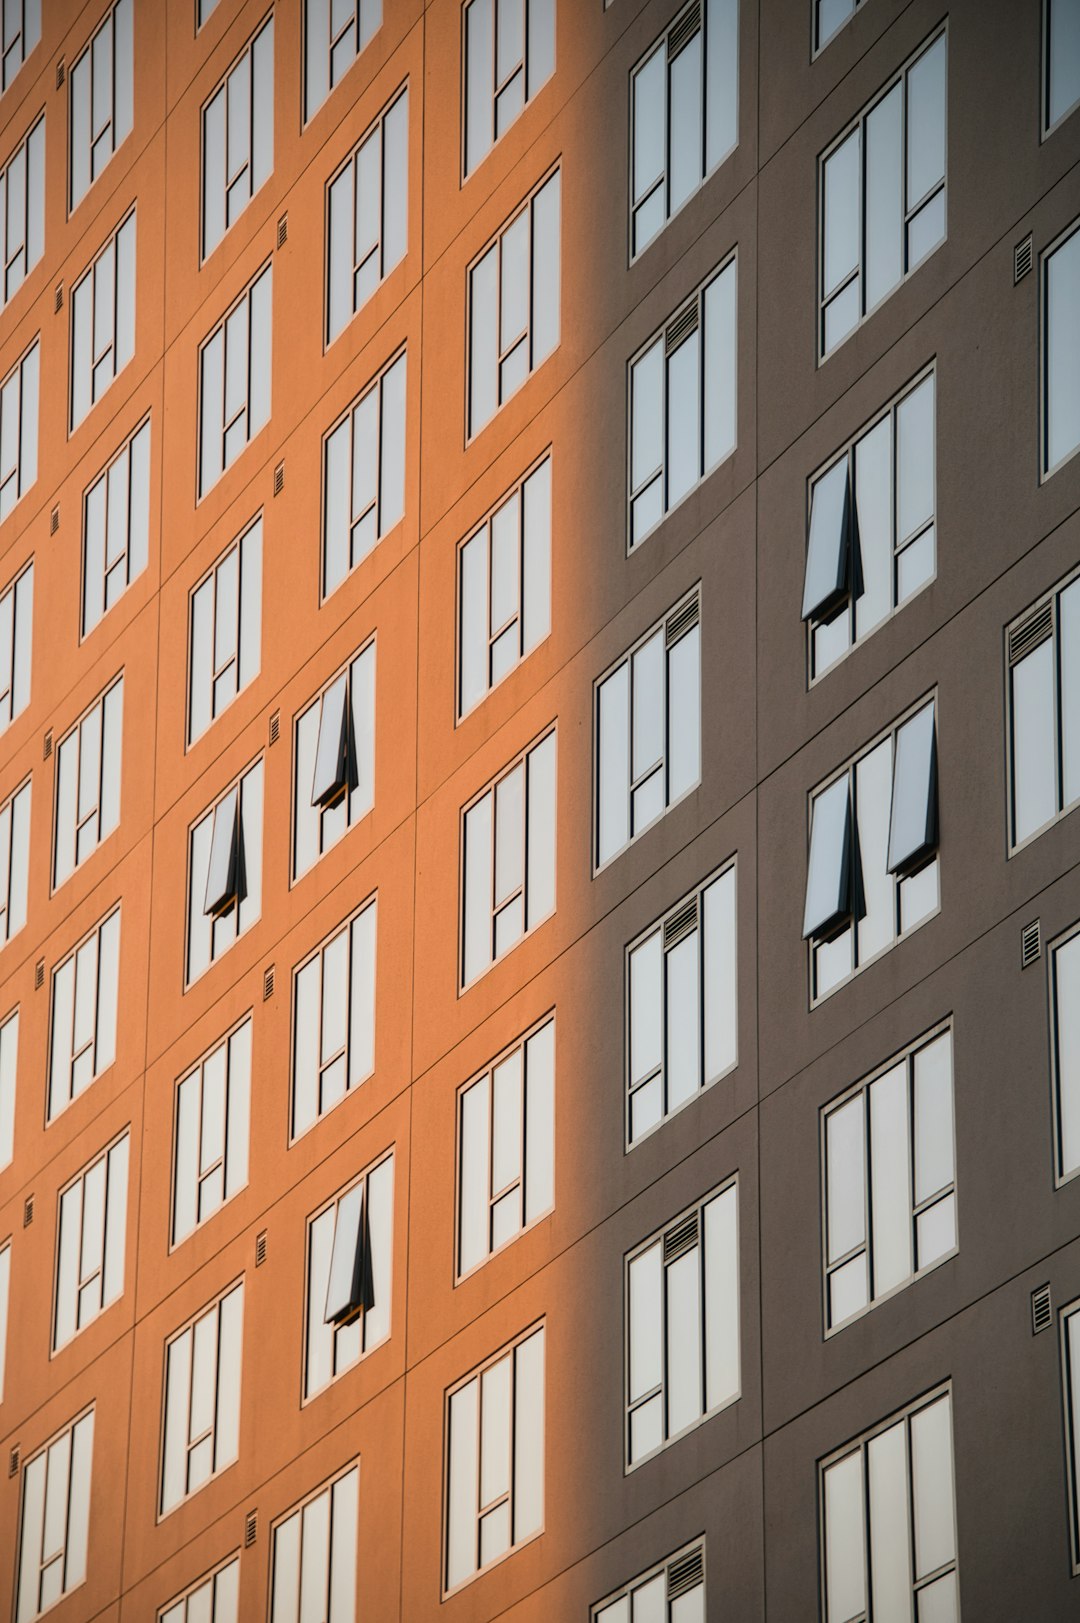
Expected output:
(274, 729)
(1030, 943)
(684, 29)
(54, 521)
(39, 975)
(1031, 631)
(46, 745)
(683, 1237)
(251, 1528)
(58, 298)
(260, 1249)
(60, 74)
(268, 983)
(13, 1462)
(1041, 1310)
(279, 479)
(684, 617)
(680, 924)
(28, 1211)
(1021, 260)
(681, 326)
(685, 1572)
(283, 231)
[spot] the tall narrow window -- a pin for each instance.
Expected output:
(215, 1599)
(201, 1434)
(90, 1243)
(14, 861)
(1061, 343)
(20, 32)
(334, 776)
(334, 1019)
(350, 1247)
(238, 137)
(684, 113)
(508, 859)
(883, 196)
(682, 1333)
(54, 1524)
(648, 730)
(509, 54)
(116, 527)
(506, 1148)
(495, 1460)
(1064, 1051)
(871, 537)
(103, 321)
(1043, 649)
(234, 381)
(335, 32)
(314, 1560)
(673, 1592)
(211, 1132)
(504, 587)
(1061, 57)
(82, 1041)
(88, 763)
(683, 402)
(514, 304)
(367, 215)
(364, 475)
(829, 17)
(9, 1063)
(225, 630)
(225, 871)
(102, 98)
(5, 1294)
(889, 1523)
(19, 429)
(22, 211)
(16, 639)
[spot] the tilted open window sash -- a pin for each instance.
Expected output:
(829, 555)
(335, 757)
(225, 880)
(350, 1289)
(829, 877)
(913, 823)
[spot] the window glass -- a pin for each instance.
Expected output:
(5, 1291)
(367, 216)
(364, 475)
(224, 630)
(225, 896)
(82, 1040)
(508, 855)
(88, 772)
(674, 1592)
(54, 1519)
(202, 1399)
(334, 1019)
(22, 211)
(314, 1556)
(116, 527)
(102, 97)
(1043, 657)
(16, 640)
(334, 777)
(234, 381)
(90, 1243)
(829, 17)
(103, 321)
(1065, 1050)
(9, 1056)
(211, 1132)
(19, 429)
(504, 587)
(350, 1250)
(335, 32)
(213, 1600)
(1061, 339)
(14, 861)
(1062, 58)
(238, 137)
(20, 32)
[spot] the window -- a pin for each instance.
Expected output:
(22, 211)
(872, 873)
(202, 1398)
(673, 1592)
(349, 1257)
(225, 871)
(20, 31)
(225, 630)
(495, 1450)
(19, 429)
(829, 17)
(682, 1007)
(1044, 705)
(116, 527)
(334, 781)
(684, 113)
(1060, 338)
(506, 1148)
(509, 54)
(883, 196)
(238, 137)
(90, 1243)
(682, 402)
(84, 1001)
(215, 1599)
(55, 1521)
(871, 537)
(648, 730)
(367, 215)
(504, 587)
(14, 861)
(88, 762)
(16, 637)
(103, 321)
(1064, 1051)
(1061, 57)
(211, 1133)
(334, 1019)
(514, 304)
(102, 98)
(682, 1295)
(5, 1288)
(204, 10)
(335, 32)
(314, 1561)
(889, 1180)
(364, 475)
(889, 1533)
(9, 1057)
(508, 859)
(234, 381)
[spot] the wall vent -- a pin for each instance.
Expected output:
(279, 479)
(60, 74)
(1021, 260)
(1033, 629)
(58, 298)
(268, 983)
(1030, 943)
(680, 924)
(684, 29)
(251, 1528)
(39, 975)
(274, 729)
(46, 745)
(260, 1248)
(13, 1462)
(681, 326)
(28, 1211)
(54, 520)
(683, 1237)
(682, 619)
(685, 1573)
(283, 230)
(1041, 1310)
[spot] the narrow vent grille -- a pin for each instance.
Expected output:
(686, 1572)
(1031, 632)
(54, 520)
(279, 479)
(274, 729)
(683, 1237)
(13, 1462)
(46, 745)
(58, 298)
(28, 1211)
(684, 29)
(1042, 1312)
(251, 1528)
(680, 924)
(1030, 943)
(1021, 260)
(682, 620)
(268, 983)
(283, 231)
(60, 74)
(260, 1249)
(681, 326)
(39, 975)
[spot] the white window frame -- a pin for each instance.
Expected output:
(351, 715)
(250, 75)
(100, 301)
(96, 956)
(377, 169)
(23, 175)
(15, 49)
(16, 644)
(1060, 1008)
(1048, 125)
(229, 598)
(14, 860)
(350, 1339)
(211, 1132)
(107, 126)
(19, 403)
(222, 1430)
(65, 1466)
(89, 779)
(116, 527)
(213, 1598)
(357, 1053)
(534, 66)
(679, 1575)
(383, 498)
(242, 324)
(235, 919)
(91, 1235)
(9, 1069)
(321, 74)
(1040, 624)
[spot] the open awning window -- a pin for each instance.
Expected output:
(828, 877)
(350, 1285)
(225, 877)
(336, 752)
(913, 824)
(828, 554)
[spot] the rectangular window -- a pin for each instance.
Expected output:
(55, 1519)
(882, 191)
(889, 1180)
(102, 98)
(495, 1460)
(364, 475)
(22, 211)
(103, 321)
(116, 527)
(334, 781)
(335, 32)
(872, 872)
(19, 429)
(225, 871)
(5, 1291)
(314, 1560)
(91, 1230)
(829, 17)
(88, 763)
(9, 1059)
(210, 1142)
(334, 1019)
(673, 1592)
(682, 389)
(225, 630)
(871, 541)
(238, 137)
(367, 215)
(215, 1599)
(514, 304)
(16, 638)
(682, 1333)
(508, 859)
(682, 1005)
(20, 31)
(509, 53)
(350, 1248)
(684, 113)
(202, 1398)
(84, 1003)
(648, 730)
(888, 1520)
(1064, 1052)
(1060, 338)
(14, 861)
(234, 381)
(1061, 60)
(1043, 651)
(506, 1148)
(504, 587)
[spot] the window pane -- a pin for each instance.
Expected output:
(473, 1240)
(478, 900)
(1066, 987)
(829, 549)
(682, 980)
(721, 373)
(932, 1465)
(873, 785)
(529, 1437)
(873, 506)
(541, 816)
(649, 123)
(685, 124)
(890, 1180)
(829, 868)
(845, 1163)
(684, 715)
(915, 460)
(683, 419)
(463, 1489)
(683, 1300)
(845, 1554)
(884, 198)
(540, 1122)
(645, 1279)
(545, 270)
(926, 123)
(721, 79)
(720, 976)
(933, 1117)
(841, 182)
(913, 827)
(1063, 54)
(721, 1299)
(1062, 345)
(890, 1559)
(1069, 645)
